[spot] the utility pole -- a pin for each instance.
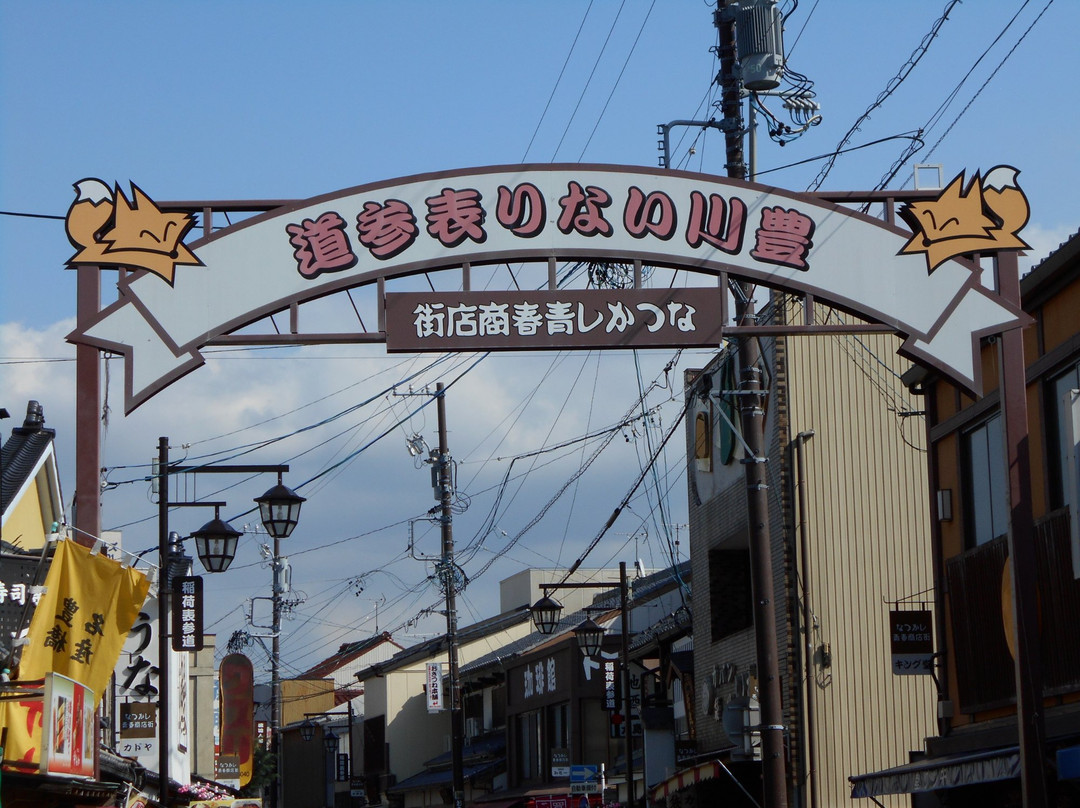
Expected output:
(447, 568)
(163, 739)
(277, 563)
(752, 413)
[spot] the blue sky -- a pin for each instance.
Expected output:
(247, 100)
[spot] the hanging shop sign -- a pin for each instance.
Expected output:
(185, 296)
(138, 720)
(238, 714)
(912, 641)
(70, 735)
(187, 614)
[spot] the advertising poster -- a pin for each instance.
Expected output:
(68, 728)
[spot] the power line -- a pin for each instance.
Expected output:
(894, 83)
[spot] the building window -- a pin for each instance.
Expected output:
(987, 500)
(529, 746)
(558, 732)
(1059, 413)
(703, 439)
(731, 600)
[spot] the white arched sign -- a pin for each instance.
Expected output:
(188, 296)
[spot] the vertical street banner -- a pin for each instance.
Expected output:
(137, 687)
(77, 631)
(238, 713)
(187, 614)
(434, 687)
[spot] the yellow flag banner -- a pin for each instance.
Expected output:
(78, 630)
(81, 622)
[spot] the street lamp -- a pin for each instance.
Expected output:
(215, 543)
(330, 744)
(545, 614)
(279, 509)
(590, 637)
(216, 547)
(330, 741)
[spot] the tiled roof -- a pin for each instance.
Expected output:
(345, 654)
(434, 647)
(22, 452)
(644, 589)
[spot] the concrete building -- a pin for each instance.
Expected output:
(859, 547)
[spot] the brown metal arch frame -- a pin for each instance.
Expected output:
(651, 251)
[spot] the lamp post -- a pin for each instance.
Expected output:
(331, 743)
(279, 509)
(590, 637)
(216, 547)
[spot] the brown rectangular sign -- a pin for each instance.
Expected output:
(553, 320)
(912, 642)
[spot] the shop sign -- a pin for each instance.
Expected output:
(16, 591)
(434, 687)
(560, 763)
(228, 768)
(137, 683)
(912, 642)
(238, 714)
(611, 683)
(187, 614)
(685, 751)
(539, 678)
(69, 734)
(546, 320)
(356, 789)
(138, 720)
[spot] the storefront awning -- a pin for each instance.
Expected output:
(440, 778)
(498, 803)
(931, 774)
(687, 777)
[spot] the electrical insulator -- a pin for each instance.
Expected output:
(759, 34)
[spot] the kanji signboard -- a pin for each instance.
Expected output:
(705, 225)
(187, 614)
(912, 642)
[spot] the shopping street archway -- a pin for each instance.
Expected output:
(188, 296)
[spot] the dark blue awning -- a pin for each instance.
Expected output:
(932, 774)
(440, 777)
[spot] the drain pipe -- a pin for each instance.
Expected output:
(807, 617)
